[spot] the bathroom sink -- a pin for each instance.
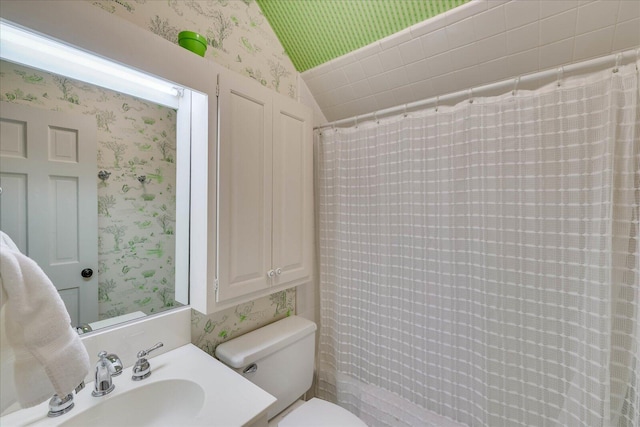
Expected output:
(167, 402)
(187, 387)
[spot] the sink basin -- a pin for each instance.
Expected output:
(152, 404)
(187, 387)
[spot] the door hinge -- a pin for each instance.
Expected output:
(218, 85)
(216, 284)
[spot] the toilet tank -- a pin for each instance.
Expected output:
(283, 354)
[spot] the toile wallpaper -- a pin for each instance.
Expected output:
(136, 220)
(238, 35)
(209, 331)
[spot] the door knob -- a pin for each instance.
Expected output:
(278, 271)
(271, 273)
(86, 273)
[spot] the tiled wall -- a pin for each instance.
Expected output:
(476, 44)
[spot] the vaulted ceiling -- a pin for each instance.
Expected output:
(313, 32)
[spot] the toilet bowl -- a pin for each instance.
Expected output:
(279, 358)
(315, 413)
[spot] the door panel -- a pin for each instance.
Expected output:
(48, 206)
(244, 188)
(292, 191)
(63, 220)
(13, 208)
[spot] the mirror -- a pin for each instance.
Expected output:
(134, 177)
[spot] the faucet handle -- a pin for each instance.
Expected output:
(143, 353)
(142, 368)
(60, 405)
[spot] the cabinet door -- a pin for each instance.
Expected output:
(245, 198)
(292, 191)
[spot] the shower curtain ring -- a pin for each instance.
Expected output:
(516, 82)
(405, 110)
(437, 102)
(471, 96)
(375, 117)
(356, 122)
(618, 62)
(559, 75)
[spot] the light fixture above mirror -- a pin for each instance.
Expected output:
(29, 48)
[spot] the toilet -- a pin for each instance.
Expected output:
(279, 358)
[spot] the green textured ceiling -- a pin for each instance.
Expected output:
(316, 31)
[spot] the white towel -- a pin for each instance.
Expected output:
(46, 347)
(5, 240)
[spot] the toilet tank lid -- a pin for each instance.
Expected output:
(262, 342)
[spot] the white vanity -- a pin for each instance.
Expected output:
(187, 387)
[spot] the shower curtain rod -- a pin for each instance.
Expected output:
(515, 84)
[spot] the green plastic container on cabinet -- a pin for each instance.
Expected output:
(193, 42)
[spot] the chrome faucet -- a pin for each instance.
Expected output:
(142, 369)
(117, 364)
(104, 371)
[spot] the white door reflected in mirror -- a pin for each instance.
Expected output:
(47, 169)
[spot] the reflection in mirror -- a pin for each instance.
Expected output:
(134, 194)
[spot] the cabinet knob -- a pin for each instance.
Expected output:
(278, 271)
(271, 273)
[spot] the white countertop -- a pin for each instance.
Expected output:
(229, 399)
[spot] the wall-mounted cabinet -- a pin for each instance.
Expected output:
(251, 219)
(265, 193)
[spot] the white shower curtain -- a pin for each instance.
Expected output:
(480, 264)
